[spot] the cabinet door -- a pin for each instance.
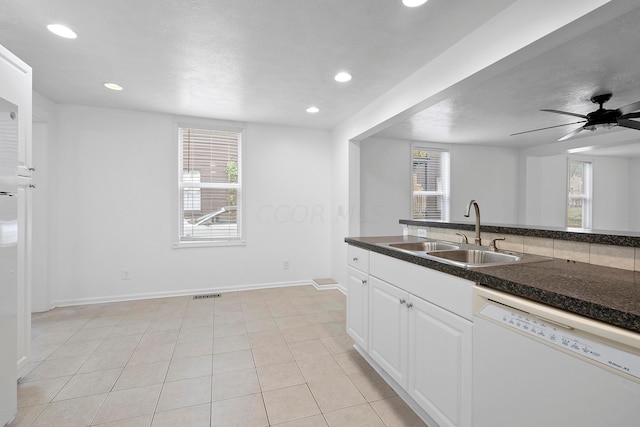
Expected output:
(440, 363)
(388, 328)
(358, 306)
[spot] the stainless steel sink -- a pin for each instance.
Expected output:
(424, 246)
(462, 255)
(476, 256)
(469, 258)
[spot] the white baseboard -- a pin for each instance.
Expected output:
(169, 294)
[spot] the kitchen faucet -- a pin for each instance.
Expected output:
(475, 205)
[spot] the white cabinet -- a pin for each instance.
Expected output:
(420, 335)
(440, 362)
(358, 296)
(388, 329)
(358, 306)
(358, 258)
(425, 349)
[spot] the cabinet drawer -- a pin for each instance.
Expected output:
(444, 290)
(358, 258)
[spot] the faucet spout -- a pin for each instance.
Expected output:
(477, 208)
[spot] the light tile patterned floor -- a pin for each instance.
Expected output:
(270, 357)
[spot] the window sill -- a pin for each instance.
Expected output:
(209, 244)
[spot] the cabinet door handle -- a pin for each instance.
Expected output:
(410, 305)
(364, 282)
(402, 301)
(355, 259)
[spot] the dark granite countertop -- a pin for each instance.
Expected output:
(610, 295)
(603, 237)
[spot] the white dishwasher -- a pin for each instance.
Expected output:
(537, 366)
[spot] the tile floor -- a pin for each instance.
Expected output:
(270, 357)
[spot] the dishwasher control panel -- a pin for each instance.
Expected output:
(565, 338)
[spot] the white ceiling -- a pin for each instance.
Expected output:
(248, 60)
(605, 59)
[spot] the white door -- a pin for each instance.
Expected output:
(358, 306)
(388, 328)
(440, 362)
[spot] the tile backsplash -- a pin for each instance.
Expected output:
(623, 257)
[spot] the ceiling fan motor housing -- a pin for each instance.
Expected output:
(601, 116)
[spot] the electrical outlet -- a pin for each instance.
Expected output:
(286, 264)
(126, 274)
(422, 232)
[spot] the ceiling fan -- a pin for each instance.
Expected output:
(601, 118)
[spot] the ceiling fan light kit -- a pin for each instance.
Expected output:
(598, 119)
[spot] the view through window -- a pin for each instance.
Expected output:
(210, 185)
(579, 194)
(430, 172)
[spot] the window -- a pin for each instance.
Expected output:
(579, 194)
(430, 186)
(210, 185)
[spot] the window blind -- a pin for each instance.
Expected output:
(430, 172)
(210, 185)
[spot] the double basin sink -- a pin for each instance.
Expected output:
(463, 255)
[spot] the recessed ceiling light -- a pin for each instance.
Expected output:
(343, 77)
(413, 3)
(62, 31)
(313, 110)
(113, 86)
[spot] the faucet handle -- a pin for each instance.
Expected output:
(464, 236)
(494, 246)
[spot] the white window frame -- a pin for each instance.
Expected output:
(240, 128)
(444, 192)
(587, 192)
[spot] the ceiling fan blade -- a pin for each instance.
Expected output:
(630, 108)
(566, 113)
(550, 127)
(571, 134)
(630, 116)
(631, 124)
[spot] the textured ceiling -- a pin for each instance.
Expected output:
(249, 60)
(605, 59)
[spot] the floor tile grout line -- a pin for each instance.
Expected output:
(183, 315)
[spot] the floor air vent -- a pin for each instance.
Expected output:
(207, 296)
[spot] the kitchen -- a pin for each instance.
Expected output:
(94, 232)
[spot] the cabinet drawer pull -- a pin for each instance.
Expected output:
(364, 282)
(355, 259)
(402, 301)
(410, 305)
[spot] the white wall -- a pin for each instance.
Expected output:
(486, 174)
(611, 193)
(385, 186)
(115, 200)
(45, 133)
(634, 195)
(546, 191)
(490, 176)
(613, 188)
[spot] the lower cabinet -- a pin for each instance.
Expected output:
(439, 353)
(358, 307)
(388, 329)
(425, 349)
